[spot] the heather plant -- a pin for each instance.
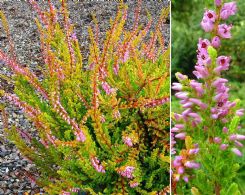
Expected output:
(102, 127)
(206, 136)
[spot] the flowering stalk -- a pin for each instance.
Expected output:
(209, 121)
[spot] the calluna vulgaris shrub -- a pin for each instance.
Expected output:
(102, 127)
(205, 136)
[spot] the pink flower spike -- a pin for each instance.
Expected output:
(236, 151)
(224, 31)
(216, 42)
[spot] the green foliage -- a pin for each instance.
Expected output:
(95, 120)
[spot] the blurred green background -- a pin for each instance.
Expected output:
(186, 30)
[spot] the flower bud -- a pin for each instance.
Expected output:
(218, 2)
(216, 42)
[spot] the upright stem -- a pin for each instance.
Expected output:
(217, 189)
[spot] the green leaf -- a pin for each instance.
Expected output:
(233, 189)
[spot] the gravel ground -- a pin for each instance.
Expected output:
(24, 32)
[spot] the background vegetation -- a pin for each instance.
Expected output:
(186, 30)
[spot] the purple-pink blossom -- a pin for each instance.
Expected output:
(207, 25)
(223, 63)
(236, 151)
(127, 172)
(128, 141)
(97, 165)
(224, 31)
(228, 10)
(216, 42)
(218, 2)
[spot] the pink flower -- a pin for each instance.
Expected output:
(127, 172)
(177, 161)
(180, 136)
(194, 151)
(240, 112)
(200, 72)
(116, 69)
(238, 144)
(128, 141)
(107, 88)
(133, 184)
(237, 137)
(216, 42)
(203, 57)
(203, 44)
(125, 56)
(229, 9)
(219, 81)
(182, 95)
(197, 86)
(97, 165)
(225, 130)
(236, 151)
(217, 140)
(177, 86)
(223, 63)
(180, 76)
(210, 15)
(218, 2)
(207, 25)
(198, 102)
(116, 114)
(180, 126)
(181, 170)
(186, 179)
(224, 31)
(192, 165)
(80, 136)
(223, 146)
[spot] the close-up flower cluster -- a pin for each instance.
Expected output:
(209, 122)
